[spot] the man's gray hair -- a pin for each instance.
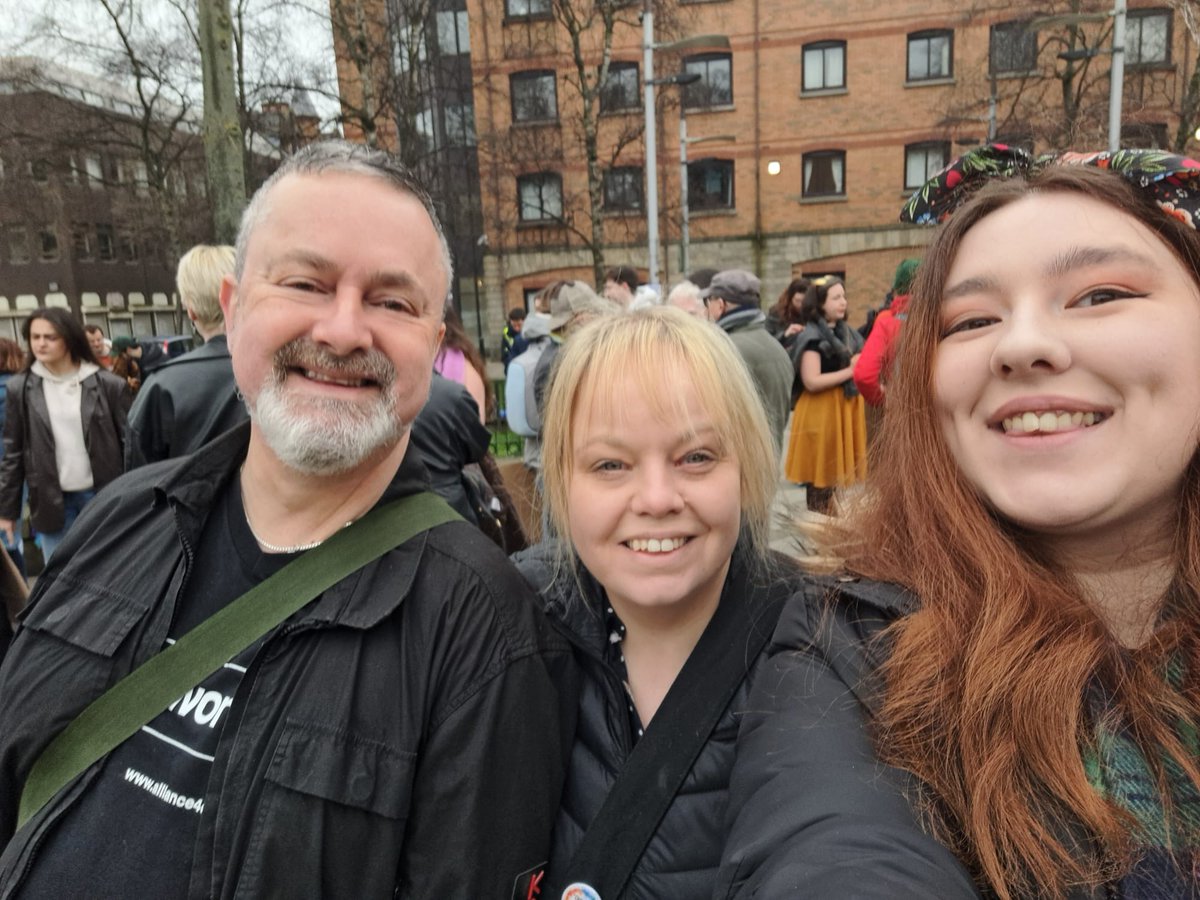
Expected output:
(339, 157)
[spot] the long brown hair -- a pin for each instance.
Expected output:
(783, 309)
(67, 327)
(813, 307)
(12, 357)
(984, 694)
(456, 338)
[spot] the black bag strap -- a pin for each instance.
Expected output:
(655, 770)
(141, 695)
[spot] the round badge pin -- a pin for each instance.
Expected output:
(580, 891)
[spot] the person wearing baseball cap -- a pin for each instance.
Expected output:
(732, 301)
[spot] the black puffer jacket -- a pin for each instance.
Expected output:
(29, 455)
(681, 859)
(811, 811)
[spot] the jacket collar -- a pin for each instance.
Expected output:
(743, 317)
(578, 600)
(886, 597)
(193, 486)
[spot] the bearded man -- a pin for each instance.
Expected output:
(404, 733)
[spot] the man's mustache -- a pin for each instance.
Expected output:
(367, 365)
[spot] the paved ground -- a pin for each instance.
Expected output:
(789, 504)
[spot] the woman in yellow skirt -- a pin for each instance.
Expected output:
(827, 447)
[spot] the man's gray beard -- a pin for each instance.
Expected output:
(325, 435)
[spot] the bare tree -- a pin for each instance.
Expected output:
(1189, 107)
(1060, 100)
(146, 110)
(594, 131)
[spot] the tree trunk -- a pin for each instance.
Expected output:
(222, 129)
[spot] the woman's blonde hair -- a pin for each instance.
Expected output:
(661, 348)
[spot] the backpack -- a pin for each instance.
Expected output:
(523, 415)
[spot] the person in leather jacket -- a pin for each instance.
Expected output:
(64, 428)
(193, 398)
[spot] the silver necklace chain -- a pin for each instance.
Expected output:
(275, 548)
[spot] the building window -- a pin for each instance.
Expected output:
(423, 123)
(95, 172)
(39, 170)
(48, 244)
(129, 247)
(715, 87)
(526, 8)
(141, 178)
(1148, 37)
(453, 32)
(459, 120)
(18, 245)
(540, 197)
(534, 96)
(1013, 48)
(710, 184)
(620, 89)
(825, 174)
(1144, 135)
(930, 55)
(81, 240)
(410, 47)
(106, 249)
(923, 161)
(824, 66)
(623, 189)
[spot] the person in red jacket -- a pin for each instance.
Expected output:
(875, 362)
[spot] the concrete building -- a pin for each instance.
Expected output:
(81, 211)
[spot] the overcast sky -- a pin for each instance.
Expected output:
(304, 38)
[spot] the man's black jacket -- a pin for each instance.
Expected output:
(404, 733)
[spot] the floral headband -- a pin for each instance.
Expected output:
(1172, 181)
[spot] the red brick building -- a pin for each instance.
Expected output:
(830, 114)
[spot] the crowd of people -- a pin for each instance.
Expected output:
(294, 650)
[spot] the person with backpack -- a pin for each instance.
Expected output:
(524, 417)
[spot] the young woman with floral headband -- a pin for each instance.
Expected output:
(1000, 693)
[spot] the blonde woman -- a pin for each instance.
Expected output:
(660, 470)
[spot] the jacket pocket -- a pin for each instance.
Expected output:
(330, 821)
(343, 768)
(83, 617)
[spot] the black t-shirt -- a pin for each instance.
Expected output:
(133, 831)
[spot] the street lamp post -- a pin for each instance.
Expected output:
(697, 42)
(683, 78)
(1116, 73)
(651, 147)
(1116, 84)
